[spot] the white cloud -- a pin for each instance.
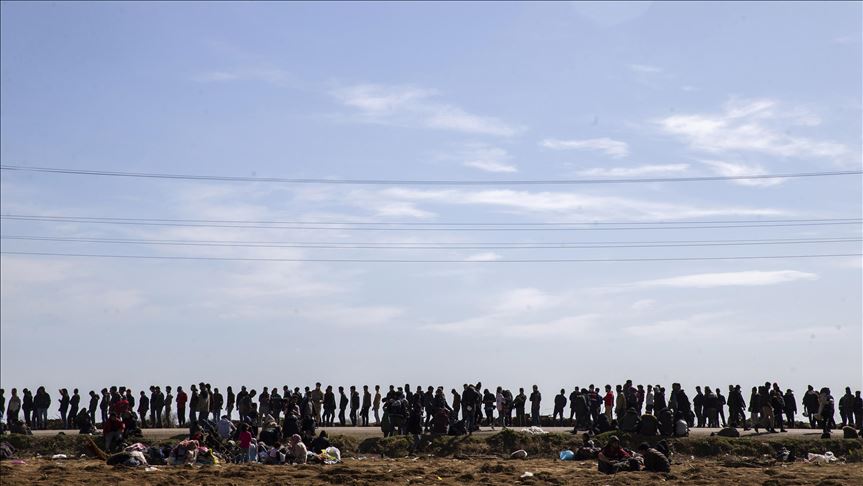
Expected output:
(413, 106)
(758, 126)
(489, 159)
(403, 209)
(645, 68)
(729, 279)
(488, 256)
(573, 206)
(728, 169)
(525, 299)
(643, 304)
(268, 75)
(703, 325)
(613, 148)
(633, 171)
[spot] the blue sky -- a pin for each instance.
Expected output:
(432, 91)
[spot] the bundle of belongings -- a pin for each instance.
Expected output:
(139, 454)
(19, 427)
(191, 451)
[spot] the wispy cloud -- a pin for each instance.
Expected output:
(489, 159)
(757, 125)
(414, 106)
(613, 148)
(728, 169)
(575, 206)
(749, 278)
(633, 171)
(489, 256)
(645, 69)
(270, 75)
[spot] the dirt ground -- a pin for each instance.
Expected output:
(431, 471)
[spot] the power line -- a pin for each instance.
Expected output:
(381, 246)
(352, 260)
(154, 175)
(38, 217)
(135, 222)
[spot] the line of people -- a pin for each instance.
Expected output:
(768, 406)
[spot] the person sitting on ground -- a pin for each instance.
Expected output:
(19, 427)
(630, 420)
(613, 458)
(654, 460)
(297, 450)
(602, 424)
(83, 422)
(649, 425)
(225, 428)
(666, 422)
(681, 426)
(113, 432)
(588, 450)
(320, 443)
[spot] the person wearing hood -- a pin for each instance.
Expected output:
(846, 407)
(41, 404)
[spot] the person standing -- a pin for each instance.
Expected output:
(846, 407)
(317, 397)
(143, 407)
(456, 405)
(754, 408)
(231, 401)
(810, 405)
(376, 404)
(203, 401)
(698, 405)
(182, 398)
(41, 403)
(14, 406)
(329, 417)
(858, 410)
(64, 408)
(74, 405)
(157, 404)
(216, 404)
(648, 400)
(169, 400)
(826, 409)
(559, 405)
(790, 407)
(27, 406)
(366, 405)
(104, 405)
(193, 405)
(355, 405)
(343, 404)
(519, 403)
(535, 400)
(94, 405)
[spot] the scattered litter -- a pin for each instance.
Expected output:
(533, 429)
(151, 469)
(527, 474)
(331, 455)
(59, 456)
(519, 454)
(17, 462)
(567, 455)
(825, 458)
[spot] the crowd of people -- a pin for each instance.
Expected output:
(289, 416)
(410, 410)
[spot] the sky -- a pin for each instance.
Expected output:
(431, 91)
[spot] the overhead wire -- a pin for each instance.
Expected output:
(156, 175)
